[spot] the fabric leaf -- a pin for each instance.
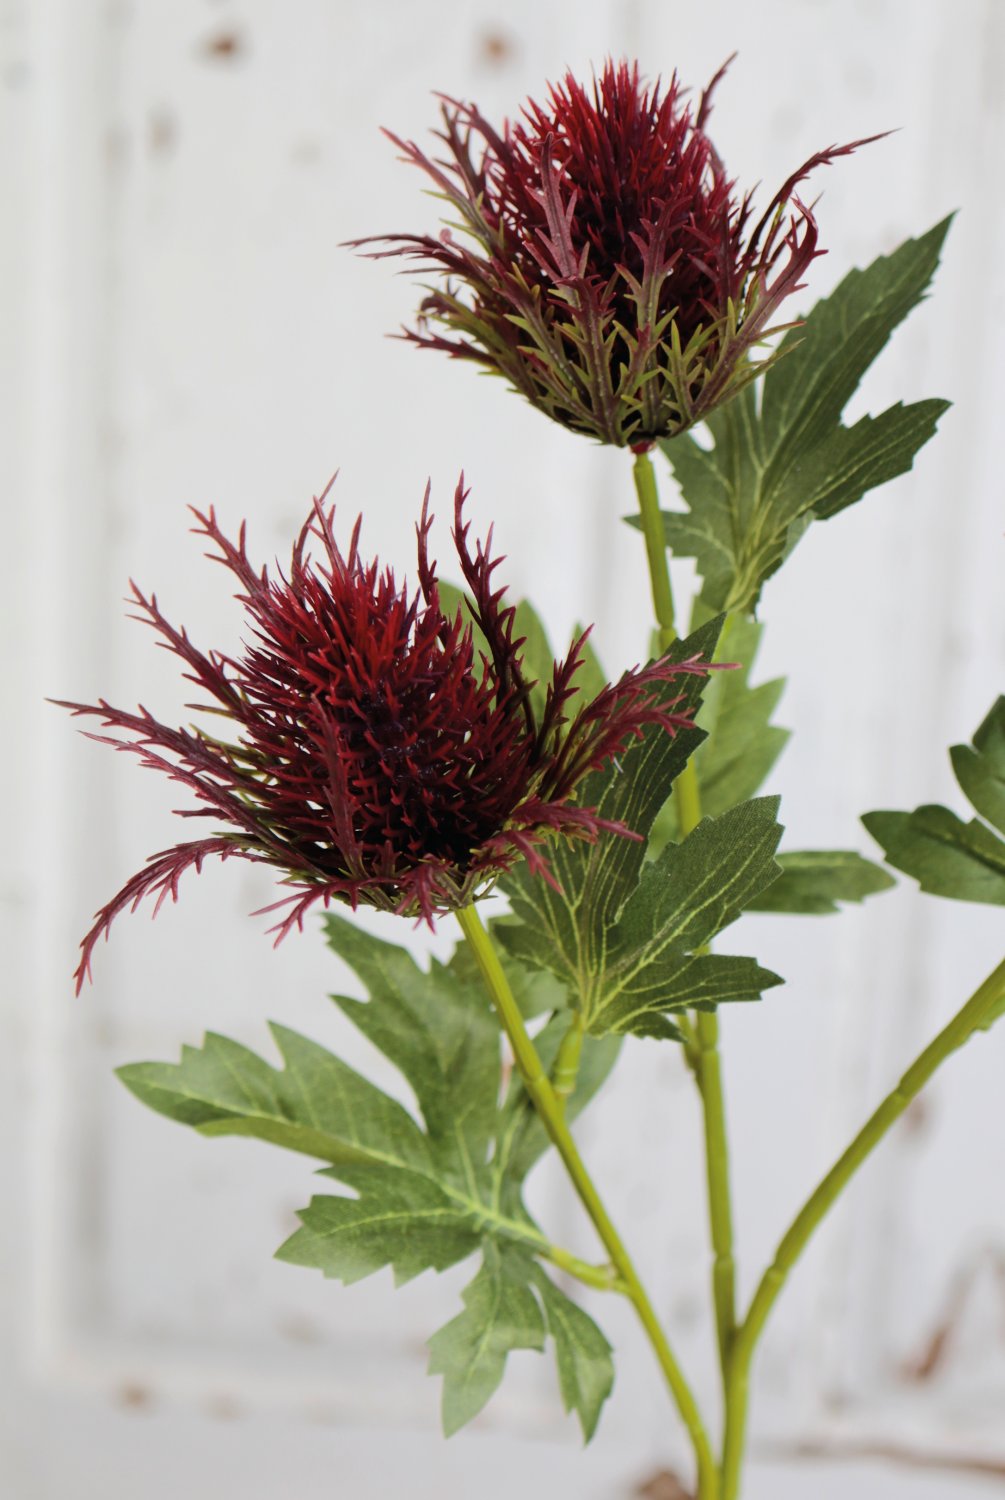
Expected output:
(947, 857)
(500, 1313)
(781, 456)
(812, 882)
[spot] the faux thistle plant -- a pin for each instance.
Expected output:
(415, 749)
(608, 269)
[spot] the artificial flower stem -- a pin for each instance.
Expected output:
(975, 1015)
(702, 1050)
(550, 1109)
(566, 1069)
(709, 1076)
(603, 1278)
(656, 548)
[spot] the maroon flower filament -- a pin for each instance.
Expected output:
(608, 270)
(381, 757)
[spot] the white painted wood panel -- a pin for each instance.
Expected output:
(181, 326)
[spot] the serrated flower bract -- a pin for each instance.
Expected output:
(381, 757)
(599, 258)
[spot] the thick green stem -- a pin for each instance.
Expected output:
(656, 548)
(976, 1014)
(703, 1052)
(549, 1108)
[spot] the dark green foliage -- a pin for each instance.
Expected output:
(782, 457)
(945, 855)
(812, 882)
(741, 744)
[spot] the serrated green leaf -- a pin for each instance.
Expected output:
(741, 744)
(814, 881)
(401, 1219)
(500, 1314)
(585, 1367)
(827, 355)
(946, 856)
(317, 1105)
(420, 1199)
(634, 960)
(685, 897)
(965, 861)
(437, 1027)
(559, 927)
(980, 767)
(778, 463)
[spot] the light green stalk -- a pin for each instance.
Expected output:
(975, 1015)
(551, 1111)
(703, 1055)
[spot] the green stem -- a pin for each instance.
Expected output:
(566, 1069)
(656, 548)
(552, 1115)
(603, 1278)
(976, 1014)
(702, 1051)
(720, 1210)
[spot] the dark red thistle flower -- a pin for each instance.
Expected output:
(380, 758)
(608, 269)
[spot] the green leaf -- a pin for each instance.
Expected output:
(500, 1313)
(318, 1105)
(965, 861)
(654, 963)
(401, 1219)
(627, 942)
(946, 856)
(585, 1367)
(741, 744)
(558, 926)
(814, 881)
(437, 1027)
(779, 462)
(421, 1197)
(980, 767)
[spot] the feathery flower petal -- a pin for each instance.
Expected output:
(379, 759)
(608, 269)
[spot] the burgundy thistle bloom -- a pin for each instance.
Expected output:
(380, 756)
(608, 269)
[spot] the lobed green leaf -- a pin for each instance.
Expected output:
(965, 861)
(812, 882)
(500, 1313)
(782, 461)
(741, 744)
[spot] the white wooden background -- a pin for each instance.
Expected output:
(180, 325)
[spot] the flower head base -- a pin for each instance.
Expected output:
(380, 758)
(609, 271)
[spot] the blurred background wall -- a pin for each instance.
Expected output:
(180, 326)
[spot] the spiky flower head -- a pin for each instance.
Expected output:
(605, 264)
(380, 757)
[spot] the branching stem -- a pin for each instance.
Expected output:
(702, 1044)
(552, 1113)
(976, 1014)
